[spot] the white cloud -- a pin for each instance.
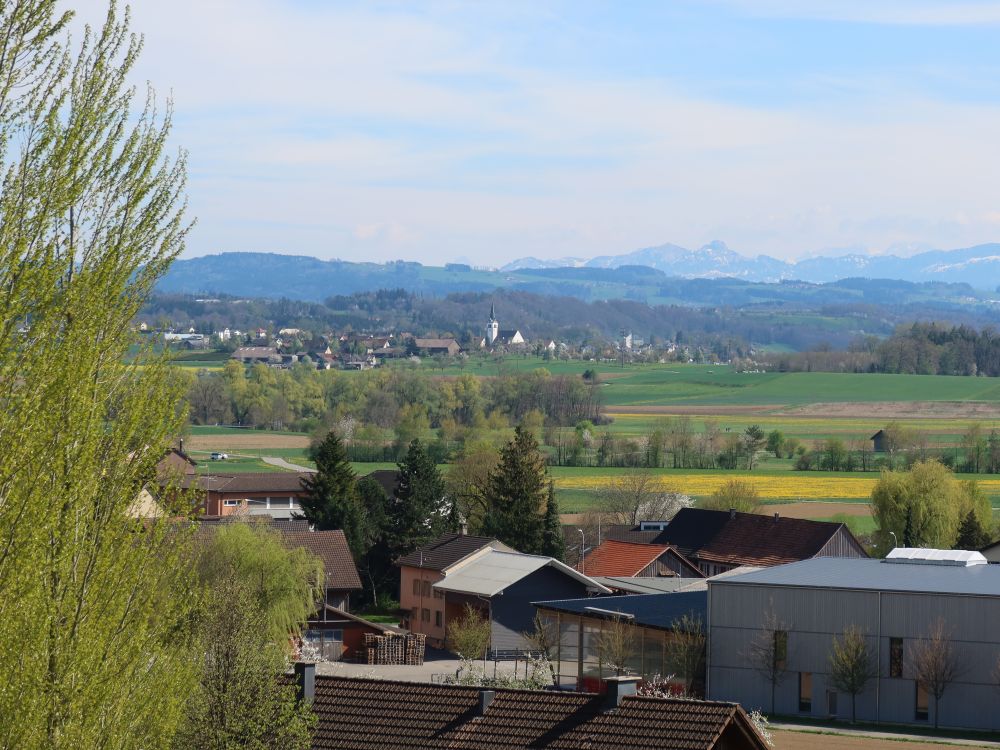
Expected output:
(357, 133)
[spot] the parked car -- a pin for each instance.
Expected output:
(220, 456)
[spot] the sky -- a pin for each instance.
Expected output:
(484, 132)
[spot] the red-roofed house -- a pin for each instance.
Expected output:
(634, 560)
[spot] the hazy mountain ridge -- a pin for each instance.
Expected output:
(978, 265)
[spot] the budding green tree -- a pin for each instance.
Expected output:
(92, 604)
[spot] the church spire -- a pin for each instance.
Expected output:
(493, 312)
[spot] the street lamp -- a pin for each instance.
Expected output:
(583, 541)
(894, 542)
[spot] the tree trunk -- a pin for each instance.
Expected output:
(854, 711)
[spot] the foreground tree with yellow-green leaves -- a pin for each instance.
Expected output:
(98, 646)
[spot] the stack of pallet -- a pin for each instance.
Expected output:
(393, 648)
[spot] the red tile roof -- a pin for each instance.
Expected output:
(615, 558)
(371, 714)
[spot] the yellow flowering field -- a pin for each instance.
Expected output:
(804, 485)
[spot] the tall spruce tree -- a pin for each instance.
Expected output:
(971, 534)
(420, 510)
(515, 495)
(93, 606)
(332, 500)
(553, 543)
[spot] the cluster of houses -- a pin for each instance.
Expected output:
(735, 584)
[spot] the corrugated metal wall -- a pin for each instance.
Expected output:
(814, 616)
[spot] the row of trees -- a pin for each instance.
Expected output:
(405, 401)
(506, 495)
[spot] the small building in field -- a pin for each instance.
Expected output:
(879, 440)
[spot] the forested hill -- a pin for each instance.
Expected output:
(304, 278)
(726, 328)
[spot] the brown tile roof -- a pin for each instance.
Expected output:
(330, 547)
(622, 532)
(741, 538)
(752, 539)
(445, 551)
(367, 714)
(615, 558)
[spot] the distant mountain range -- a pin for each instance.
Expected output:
(978, 266)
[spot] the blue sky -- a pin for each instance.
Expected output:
(488, 131)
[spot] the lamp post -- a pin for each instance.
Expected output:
(583, 541)
(894, 542)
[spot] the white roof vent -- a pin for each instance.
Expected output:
(919, 556)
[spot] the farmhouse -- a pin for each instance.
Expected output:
(718, 540)
(632, 560)
(448, 347)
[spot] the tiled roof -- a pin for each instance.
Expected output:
(746, 538)
(435, 343)
(752, 539)
(445, 551)
(615, 558)
(365, 714)
(330, 547)
(386, 478)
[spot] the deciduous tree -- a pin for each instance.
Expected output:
(852, 665)
(735, 494)
(638, 496)
(93, 606)
(935, 663)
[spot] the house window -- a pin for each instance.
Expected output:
(425, 615)
(333, 635)
(438, 594)
(230, 503)
(416, 587)
(437, 618)
(780, 649)
(414, 613)
(895, 657)
(805, 691)
(920, 710)
(427, 588)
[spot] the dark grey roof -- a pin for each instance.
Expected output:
(649, 610)
(875, 575)
(445, 551)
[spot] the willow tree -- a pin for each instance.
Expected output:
(93, 650)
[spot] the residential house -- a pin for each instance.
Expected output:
(632, 560)
(275, 494)
(652, 621)
(373, 714)
(424, 567)
(896, 603)
(438, 581)
(718, 540)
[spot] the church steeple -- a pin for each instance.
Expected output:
(493, 327)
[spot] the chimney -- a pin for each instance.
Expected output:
(775, 517)
(485, 699)
(617, 689)
(732, 513)
(305, 681)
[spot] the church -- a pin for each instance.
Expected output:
(497, 337)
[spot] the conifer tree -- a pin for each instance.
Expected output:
(515, 495)
(553, 543)
(971, 534)
(420, 510)
(332, 500)
(93, 606)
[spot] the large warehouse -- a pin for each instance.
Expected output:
(772, 632)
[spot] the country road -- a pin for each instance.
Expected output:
(283, 464)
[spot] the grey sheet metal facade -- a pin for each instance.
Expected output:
(814, 614)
